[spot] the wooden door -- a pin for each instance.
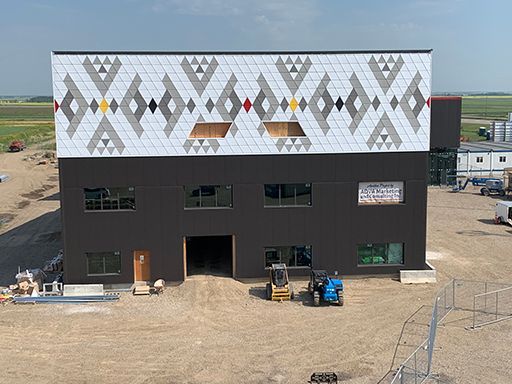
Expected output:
(141, 266)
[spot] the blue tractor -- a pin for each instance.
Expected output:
(324, 288)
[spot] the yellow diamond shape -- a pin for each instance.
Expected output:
(103, 105)
(293, 104)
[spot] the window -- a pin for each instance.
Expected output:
(103, 263)
(386, 253)
(292, 256)
(385, 192)
(479, 159)
(287, 195)
(283, 128)
(208, 196)
(209, 130)
(109, 199)
(503, 159)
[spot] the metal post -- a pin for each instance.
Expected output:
(444, 309)
(415, 370)
(496, 305)
(453, 294)
(474, 310)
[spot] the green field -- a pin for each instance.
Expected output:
(486, 107)
(30, 122)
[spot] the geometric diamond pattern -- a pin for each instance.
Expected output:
(357, 93)
(385, 134)
(322, 99)
(413, 92)
(293, 72)
(386, 70)
(378, 106)
(172, 113)
(229, 99)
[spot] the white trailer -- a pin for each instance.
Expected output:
(503, 212)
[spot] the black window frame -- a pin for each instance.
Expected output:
(479, 159)
(280, 194)
(375, 245)
(202, 188)
(105, 198)
(504, 159)
(103, 254)
(279, 249)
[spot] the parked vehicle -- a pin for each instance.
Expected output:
(16, 146)
(279, 287)
(503, 212)
(493, 187)
(325, 288)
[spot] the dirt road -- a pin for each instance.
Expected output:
(217, 330)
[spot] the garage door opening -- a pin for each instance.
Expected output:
(209, 255)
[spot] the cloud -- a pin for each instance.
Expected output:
(262, 11)
(275, 18)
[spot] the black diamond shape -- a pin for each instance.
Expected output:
(339, 103)
(94, 106)
(114, 105)
(152, 105)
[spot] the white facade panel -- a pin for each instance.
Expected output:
(120, 105)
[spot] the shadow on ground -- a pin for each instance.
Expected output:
(29, 245)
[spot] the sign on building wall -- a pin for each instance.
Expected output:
(381, 192)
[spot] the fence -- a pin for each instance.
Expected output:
(489, 302)
(491, 307)
(418, 366)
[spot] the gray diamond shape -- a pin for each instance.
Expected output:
(171, 94)
(357, 114)
(104, 81)
(375, 103)
(94, 105)
(284, 104)
(265, 93)
(199, 84)
(303, 104)
(209, 105)
(394, 102)
(293, 82)
(191, 105)
(229, 94)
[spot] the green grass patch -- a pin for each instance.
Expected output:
(30, 134)
(487, 107)
(25, 111)
(470, 131)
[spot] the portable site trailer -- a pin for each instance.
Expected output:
(503, 212)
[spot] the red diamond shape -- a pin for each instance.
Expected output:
(56, 105)
(428, 102)
(247, 105)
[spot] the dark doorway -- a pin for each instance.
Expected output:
(209, 255)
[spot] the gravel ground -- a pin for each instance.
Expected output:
(217, 330)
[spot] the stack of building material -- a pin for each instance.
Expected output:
(65, 299)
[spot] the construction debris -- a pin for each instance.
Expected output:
(4, 178)
(56, 264)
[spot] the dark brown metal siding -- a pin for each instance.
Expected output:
(445, 120)
(334, 225)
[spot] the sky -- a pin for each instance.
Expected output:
(470, 38)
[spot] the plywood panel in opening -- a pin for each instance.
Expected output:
(209, 130)
(284, 128)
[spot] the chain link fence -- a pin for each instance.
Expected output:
(491, 307)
